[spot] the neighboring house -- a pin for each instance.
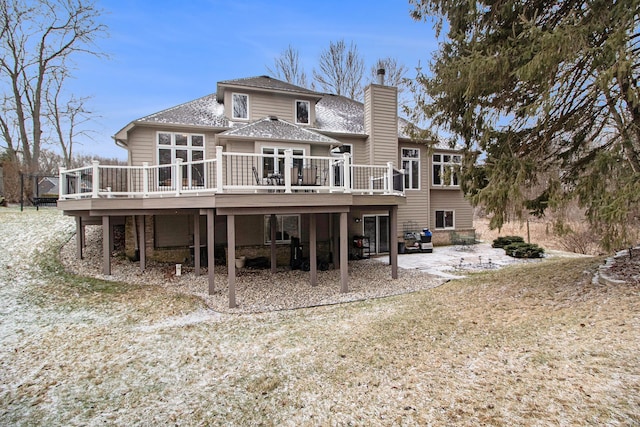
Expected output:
(48, 186)
(262, 164)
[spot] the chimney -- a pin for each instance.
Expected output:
(381, 121)
(380, 76)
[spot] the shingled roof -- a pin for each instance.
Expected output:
(274, 128)
(339, 114)
(334, 113)
(205, 111)
(268, 83)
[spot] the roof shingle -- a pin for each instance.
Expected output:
(205, 111)
(274, 128)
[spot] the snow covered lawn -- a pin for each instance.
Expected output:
(533, 344)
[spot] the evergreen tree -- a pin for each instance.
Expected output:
(531, 86)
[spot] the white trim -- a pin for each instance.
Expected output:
(233, 110)
(443, 164)
(277, 149)
(453, 214)
(189, 148)
(407, 172)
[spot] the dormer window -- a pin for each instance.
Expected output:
(302, 112)
(240, 106)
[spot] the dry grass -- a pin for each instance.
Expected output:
(534, 344)
(540, 232)
(578, 238)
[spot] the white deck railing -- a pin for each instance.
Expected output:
(231, 173)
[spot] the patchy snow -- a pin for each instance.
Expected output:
(87, 352)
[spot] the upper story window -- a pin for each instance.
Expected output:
(240, 106)
(411, 166)
(302, 112)
(187, 147)
(445, 169)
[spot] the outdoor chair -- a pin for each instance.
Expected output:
(309, 175)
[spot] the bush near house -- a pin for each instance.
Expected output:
(503, 241)
(524, 250)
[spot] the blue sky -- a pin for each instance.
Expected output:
(163, 53)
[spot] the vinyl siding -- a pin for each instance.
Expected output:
(417, 208)
(381, 123)
(143, 147)
(452, 200)
(263, 104)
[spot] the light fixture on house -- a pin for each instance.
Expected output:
(357, 220)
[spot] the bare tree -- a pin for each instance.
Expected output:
(287, 67)
(65, 116)
(39, 40)
(395, 74)
(340, 70)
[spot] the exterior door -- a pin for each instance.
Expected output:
(376, 227)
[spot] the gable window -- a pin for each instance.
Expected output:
(185, 146)
(302, 112)
(240, 106)
(287, 226)
(411, 166)
(444, 219)
(445, 169)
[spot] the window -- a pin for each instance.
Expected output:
(444, 219)
(287, 226)
(445, 169)
(273, 160)
(185, 146)
(302, 112)
(240, 106)
(411, 166)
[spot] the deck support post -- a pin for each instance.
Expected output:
(393, 243)
(79, 242)
(335, 240)
(344, 253)
(274, 258)
(142, 245)
(196, 243)
(231, 259)
(106, 245)
(313, 258)
(211, 261)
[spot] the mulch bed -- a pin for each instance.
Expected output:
(627, 266)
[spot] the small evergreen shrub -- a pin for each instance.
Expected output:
(503, 241)
(524, 250)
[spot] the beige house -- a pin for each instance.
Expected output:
(267, 170)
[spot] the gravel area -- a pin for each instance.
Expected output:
(256, 290)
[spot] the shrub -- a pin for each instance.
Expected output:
(503, 241)
(524, 250)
